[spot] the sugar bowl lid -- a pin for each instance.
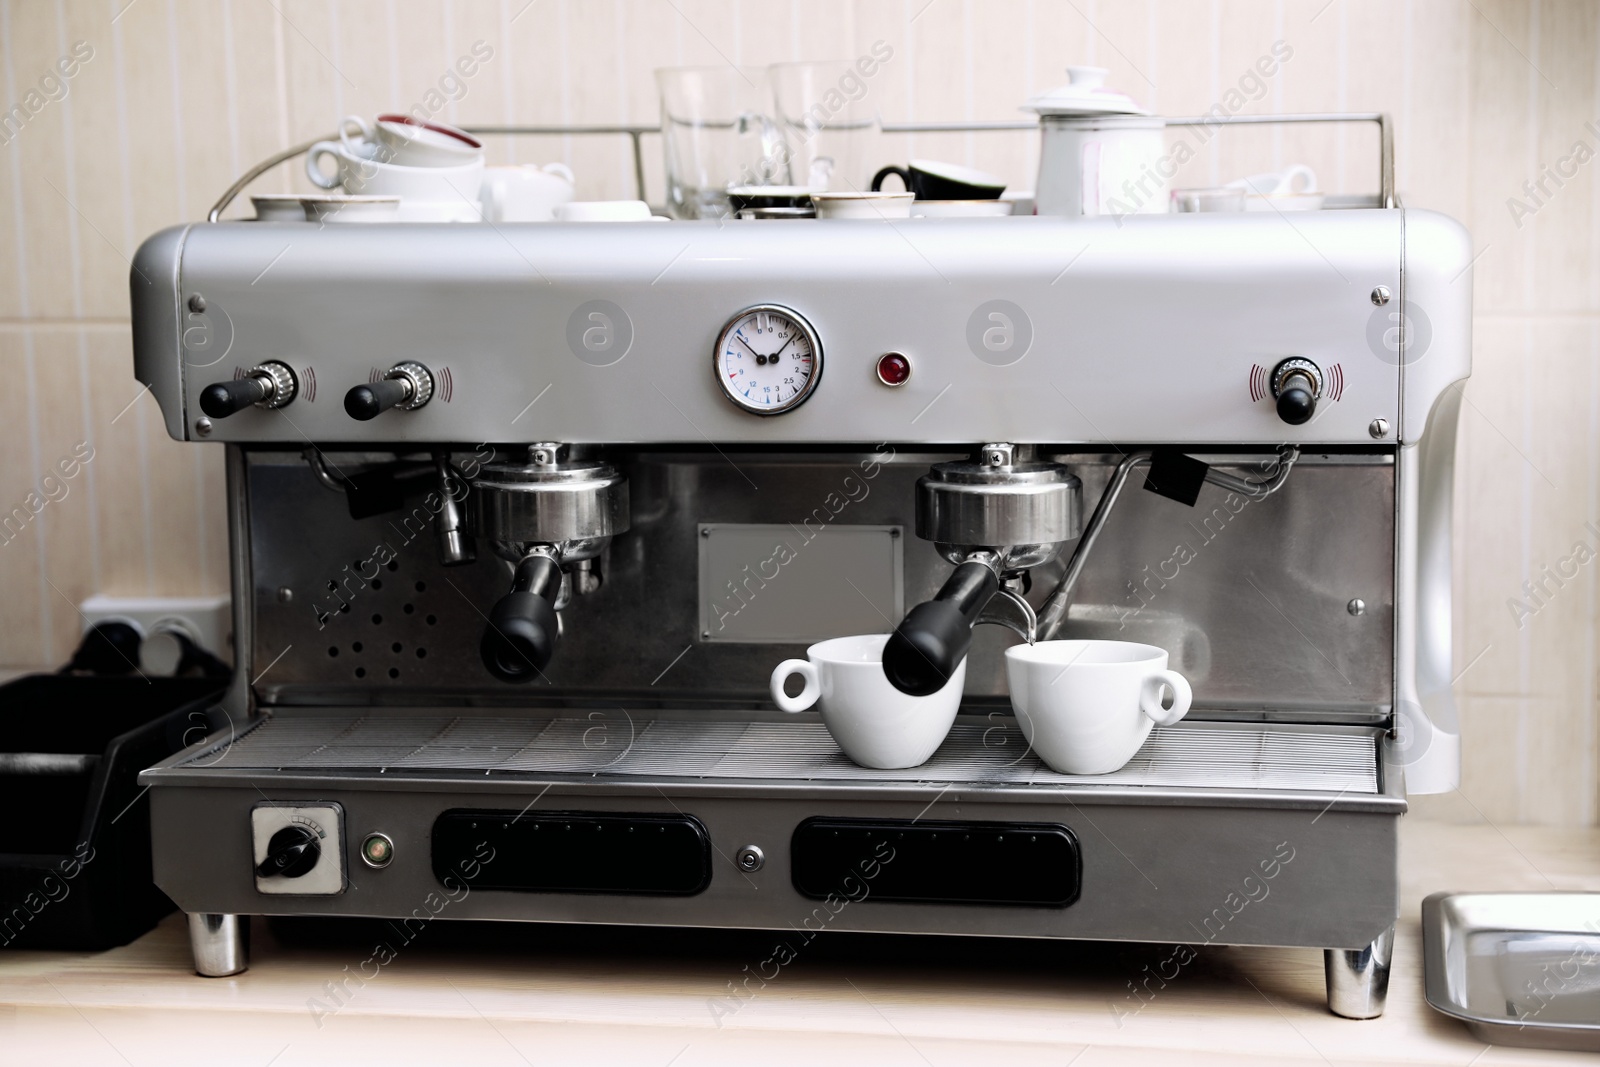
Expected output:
(1084, 94)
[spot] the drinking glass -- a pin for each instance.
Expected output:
(826, 121)
(718, 133)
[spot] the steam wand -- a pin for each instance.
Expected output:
(1054, 612)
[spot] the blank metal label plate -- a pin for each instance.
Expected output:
(777, 583)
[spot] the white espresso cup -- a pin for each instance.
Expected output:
(409, 141)
(453, 188)
(876, 724)
(1087, 706)
(525, 193)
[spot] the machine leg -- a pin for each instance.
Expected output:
(1358, 978)
(221, 943)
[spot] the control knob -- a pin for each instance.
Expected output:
(292, 852)
(407, 385)
(269, 385)
(1297, 386)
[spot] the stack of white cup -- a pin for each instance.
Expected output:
(437, 171)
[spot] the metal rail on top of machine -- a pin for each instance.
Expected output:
(636, 133)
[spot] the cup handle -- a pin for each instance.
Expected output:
(1150, 697)
(560, 170)
(1296, 178)
(314, 171)
(905, 178)
(367, 132)
(807, 696)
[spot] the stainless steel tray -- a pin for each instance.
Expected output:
(1196, 755)
(1518, 968)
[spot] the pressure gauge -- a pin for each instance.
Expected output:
(768, 359)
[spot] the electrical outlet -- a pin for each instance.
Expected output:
(205, 620)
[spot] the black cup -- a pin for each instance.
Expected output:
(943, 181)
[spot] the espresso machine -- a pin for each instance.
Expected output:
(522, 517)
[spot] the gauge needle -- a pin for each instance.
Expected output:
(747, 347)
(779, 352)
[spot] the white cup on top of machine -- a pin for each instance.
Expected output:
(1294, 188)
(427, 194)
(1086, 707)
(408, 141)
(525, 193)
(873, 722)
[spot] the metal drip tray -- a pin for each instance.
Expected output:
(1216, 756)
(1518, 968)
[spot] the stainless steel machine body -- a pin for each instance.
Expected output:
(365, 730)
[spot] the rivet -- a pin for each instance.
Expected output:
(1378, 429)
(285, 594)
(202, 426)
(1380, 295)
(1356, 606)
(197, 303)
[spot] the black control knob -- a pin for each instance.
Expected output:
(292, 852)
(1296, 405)
(224, 398)
(269, 385)
(369, 401)
(1297, 385)
(408, 385)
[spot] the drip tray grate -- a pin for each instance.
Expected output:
(1224, 756)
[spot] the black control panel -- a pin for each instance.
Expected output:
(916, 862)
(572, 852)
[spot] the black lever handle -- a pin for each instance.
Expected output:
(933, 638)
(1296, 384)
(369, 401)
(521, 635)
(224, 398)
(1297, 399)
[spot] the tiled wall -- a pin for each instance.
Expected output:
(170, 99)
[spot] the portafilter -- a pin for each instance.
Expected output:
(993, 516)
(549, 518)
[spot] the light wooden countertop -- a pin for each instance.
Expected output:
(489, 994)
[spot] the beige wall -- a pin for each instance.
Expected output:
(180, 95)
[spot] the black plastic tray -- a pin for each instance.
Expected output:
(75, 843)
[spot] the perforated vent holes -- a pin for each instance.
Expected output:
(383, 639)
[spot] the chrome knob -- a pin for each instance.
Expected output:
(1297, 386)
(269, 385)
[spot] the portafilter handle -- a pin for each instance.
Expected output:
(521, 635)
(933, 638)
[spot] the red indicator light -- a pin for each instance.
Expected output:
(893, 369)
